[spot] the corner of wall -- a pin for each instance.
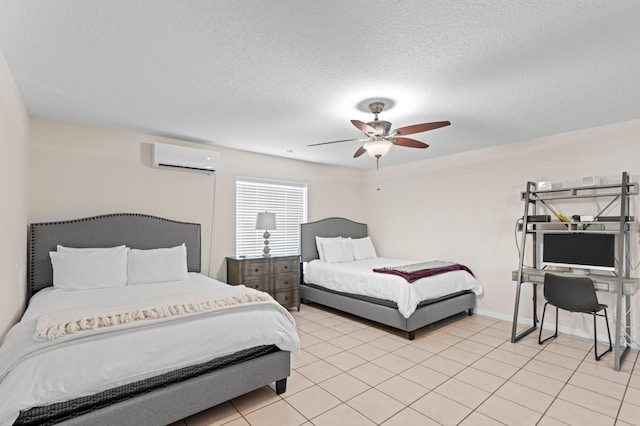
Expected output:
(14, 192)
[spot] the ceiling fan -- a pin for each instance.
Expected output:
(380, 137)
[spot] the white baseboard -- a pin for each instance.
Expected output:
(549, 326)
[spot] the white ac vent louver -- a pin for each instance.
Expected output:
(185, 158)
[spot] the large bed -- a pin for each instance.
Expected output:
(378, 305)
(155, 373)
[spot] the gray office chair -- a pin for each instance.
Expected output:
(573, 294)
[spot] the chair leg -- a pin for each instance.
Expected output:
(595, 336)
(544, 310)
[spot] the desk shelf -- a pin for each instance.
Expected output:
(621, 284)
(595, 191)
(583, 227)
(600, 282)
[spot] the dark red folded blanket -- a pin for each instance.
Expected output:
(416, 274)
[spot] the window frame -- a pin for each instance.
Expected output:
(288, 200)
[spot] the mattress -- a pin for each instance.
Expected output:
(358, 278)
(85, 366)
(61, 411)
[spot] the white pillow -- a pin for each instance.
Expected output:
(88, 249)
(338, 250)
(157, 265)
(363, 248)
(320, 244)
(87, 269)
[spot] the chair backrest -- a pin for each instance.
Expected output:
(575, 294)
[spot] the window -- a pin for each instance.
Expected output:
(288, 200)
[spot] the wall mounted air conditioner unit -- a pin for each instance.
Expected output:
(185, 158)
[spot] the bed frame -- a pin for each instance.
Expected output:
(172, 402)
(381, 311)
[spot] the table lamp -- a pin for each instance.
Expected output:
(266, 221)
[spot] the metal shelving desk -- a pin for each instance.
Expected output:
(621, 284)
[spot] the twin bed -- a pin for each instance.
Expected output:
(353, 287)
(188, 343)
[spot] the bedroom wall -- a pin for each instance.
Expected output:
(464, 207)
(14, 163)
(80, 171)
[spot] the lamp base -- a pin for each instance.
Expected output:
(265, 250)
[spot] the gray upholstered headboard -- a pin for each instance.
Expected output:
(134, 230)
(330, 227)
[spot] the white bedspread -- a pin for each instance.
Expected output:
(72, 366)
(357, 277)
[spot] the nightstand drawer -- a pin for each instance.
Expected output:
(285, 266)
(288, 299)
(277, 275)
(285, 281)
(254, 269)
(261, 284)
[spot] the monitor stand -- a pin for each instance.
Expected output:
(580, 271)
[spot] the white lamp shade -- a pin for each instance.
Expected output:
(266, 221)
(377, 148)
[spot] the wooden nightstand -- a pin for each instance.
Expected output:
(277, 275)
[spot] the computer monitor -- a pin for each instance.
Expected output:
(579, 250)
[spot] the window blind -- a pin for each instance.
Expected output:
(288, 200)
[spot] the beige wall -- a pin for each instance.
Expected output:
(81, 171)
(464, 207)
(14, 160)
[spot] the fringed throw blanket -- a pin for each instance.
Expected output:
(55, 325)
(415, 271)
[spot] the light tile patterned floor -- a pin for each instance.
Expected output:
(463, 370)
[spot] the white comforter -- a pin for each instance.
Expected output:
(74, 366)
(357, 277)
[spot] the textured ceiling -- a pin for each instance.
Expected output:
(275, 76)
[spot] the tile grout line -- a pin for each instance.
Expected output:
(444, 347)
(490, 393)
(563, 386)
(405, 406)
(635, 365)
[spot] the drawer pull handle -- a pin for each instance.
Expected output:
(286, 267)
(256, 270)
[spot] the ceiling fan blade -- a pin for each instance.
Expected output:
(418, 128)
(411, 143)
(326, 143)
(359, 152)
(364, 127)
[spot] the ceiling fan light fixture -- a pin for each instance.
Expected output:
(377, 148)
